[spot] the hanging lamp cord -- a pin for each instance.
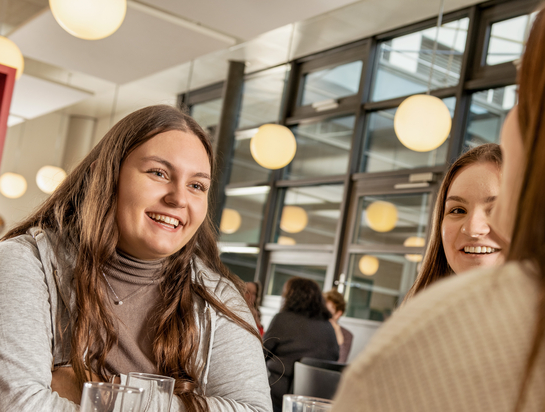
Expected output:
(434, 53)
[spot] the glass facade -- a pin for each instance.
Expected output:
(507, 39)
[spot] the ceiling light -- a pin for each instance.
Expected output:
(273, 146)
(89, 19)
(414, 241)
(422, 122)
(381, 216)
(230, 221)
(294, 219)
(49, 178)
(12, 185)
(11, 56)
(368, 265)
(286, 240)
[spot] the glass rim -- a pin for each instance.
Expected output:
(150, 376)
(114, 387)
(319, 401)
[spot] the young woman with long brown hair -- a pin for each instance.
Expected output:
(118, 271)
(476, 342)
(460, 235)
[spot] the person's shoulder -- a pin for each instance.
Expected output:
(19, 246)
(217, 284)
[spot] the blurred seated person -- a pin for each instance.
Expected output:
(253, 298)
(336, 304)
(300, 329)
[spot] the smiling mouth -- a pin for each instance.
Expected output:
(479, 250)
(164, 220)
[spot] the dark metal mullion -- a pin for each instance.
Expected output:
(393, 103)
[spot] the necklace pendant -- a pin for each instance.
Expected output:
(119, 302)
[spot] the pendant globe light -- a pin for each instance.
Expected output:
(286, 240)
(273, 146)
(422, 122)
(12, 185)
(49, 178)
(381, 216)
(89, 19)
(414, 241)
(11, 56)
(230, 221)
(368, 265)
(294, 219)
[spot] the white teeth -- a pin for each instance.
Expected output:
(479, 249)
(166, 219)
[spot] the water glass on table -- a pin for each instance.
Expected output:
(157, 387)
(107, 397)
(297, 403)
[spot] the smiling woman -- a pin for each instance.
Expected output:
(460, 238)
(118, 271)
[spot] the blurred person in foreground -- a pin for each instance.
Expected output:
(476, 342)
(336, 305)
(301, 329)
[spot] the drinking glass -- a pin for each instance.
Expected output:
(297, 403)
(105, 397)
(159, 388)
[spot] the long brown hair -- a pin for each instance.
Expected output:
(82, 212)
(434, 264)
(528, 238)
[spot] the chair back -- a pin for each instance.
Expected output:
(312, 381)
(324, 364)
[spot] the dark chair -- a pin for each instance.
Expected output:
(324, 364)
(312, 381)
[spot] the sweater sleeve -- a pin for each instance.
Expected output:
(237, 380)
(26, 335)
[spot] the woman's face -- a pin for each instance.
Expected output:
(162, 195)
(465, 230)
(251, 293)
(503, 217)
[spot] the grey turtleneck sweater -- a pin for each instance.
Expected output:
(131, 279)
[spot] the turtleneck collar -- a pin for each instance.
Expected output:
(132, 270)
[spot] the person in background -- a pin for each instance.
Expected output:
(300, 329)
(460, 236)
(119, 271)
(253, 298)
(476, 342)
(336, 305)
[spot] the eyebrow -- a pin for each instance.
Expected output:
(169, 165)
(489, 199)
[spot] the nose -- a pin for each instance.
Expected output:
(476, 224)
(176, 196)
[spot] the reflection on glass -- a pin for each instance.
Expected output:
(261, 98)
(391, 219)
(374, 295)
(248, 205)
(404, 63)
(507, 39)
(280, 274)
(331, 83)
(309, 215)
(384, 152)
(207, 114)
(487, 113)
(243, 166)
(241, 264)
(323, 148)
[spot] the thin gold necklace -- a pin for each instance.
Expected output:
(120, 301)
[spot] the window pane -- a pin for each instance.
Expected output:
(404, 63)
(487, 113)
(207, 114)
(309, 215)
(323, 148)
(384, 151)
(507, 39)
(392, 219)
(280, 274)
(243, 166)
(261, 98)
(376, 284)
(243, 214)
(241, 264)
(331, 83)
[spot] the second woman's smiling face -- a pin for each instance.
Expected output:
(162, 195)
(465, 231)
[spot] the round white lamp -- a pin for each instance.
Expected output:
(294, 219)
(381, 216)
(414, 241)
(368, 265)
(422, 122)
(11, 56)
(286, 240)
(49, 178)
(12, 185)
(273, 146)
(89, 19)
(230, 221)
